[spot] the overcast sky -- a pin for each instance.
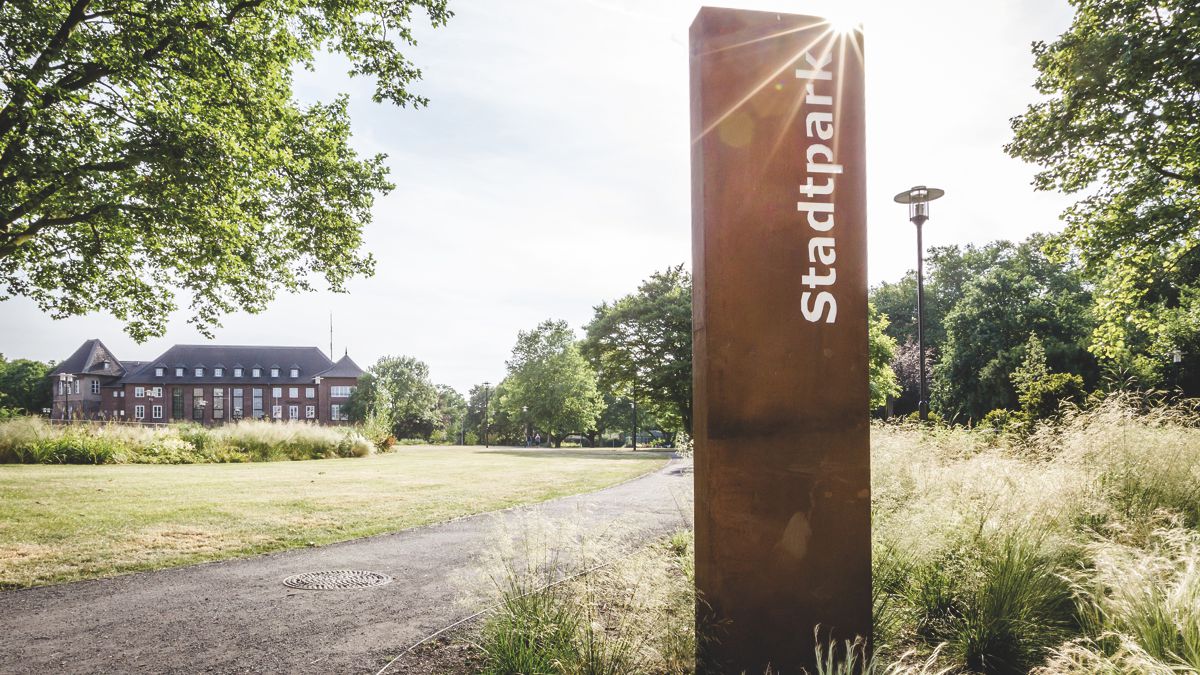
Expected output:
(550, 171)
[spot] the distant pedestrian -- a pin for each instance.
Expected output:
(537, 440)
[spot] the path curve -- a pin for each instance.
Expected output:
(237, 616)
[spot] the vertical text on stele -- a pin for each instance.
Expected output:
(818, 188)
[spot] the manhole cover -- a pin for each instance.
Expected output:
(337, 580)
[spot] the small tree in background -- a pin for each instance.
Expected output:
(398, 392)
(23, 385)
(1040, 392)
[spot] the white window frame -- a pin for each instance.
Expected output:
(340, 391)
(295, 372)
(276, 392)
(310, 392)
(256, 372)
(275, 372)
(116, 393)
(237, 372)
(293, 412)
(276, 412)
(218, 372)
(179, 372)
(199, 371)
(96, 387)
(293, 392)
(76, 387)
(158, 372)
(336, 414)
(139, 412)
(157, 392)
(156, 412)
(310, 412)
(139, 392)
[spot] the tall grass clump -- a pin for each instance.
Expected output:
(34, 441)
(568, 602)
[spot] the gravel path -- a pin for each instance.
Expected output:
(237, 616)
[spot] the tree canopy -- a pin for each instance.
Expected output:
(1024, 292)
(1118, 125)
(548, 375)
(151, 146)
(398, 390)
(23, 385)
(641, 346)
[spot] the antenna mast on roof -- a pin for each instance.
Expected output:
(331, 335)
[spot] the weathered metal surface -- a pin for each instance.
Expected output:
(337, 580)
(781, 391)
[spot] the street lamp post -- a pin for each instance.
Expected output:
(485, 413)
(525, 414)
(918, 199)
(633, 407)
(66, 380)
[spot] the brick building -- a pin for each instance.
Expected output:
(208, 384)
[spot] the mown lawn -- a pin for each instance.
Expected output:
(64, 523)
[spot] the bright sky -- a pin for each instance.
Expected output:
(550, 171)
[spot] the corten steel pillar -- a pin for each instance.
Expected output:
(780, 339)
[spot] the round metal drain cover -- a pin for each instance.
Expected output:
(337, 580)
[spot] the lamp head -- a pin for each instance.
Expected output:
(918, 198)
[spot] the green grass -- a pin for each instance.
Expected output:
(64, 523)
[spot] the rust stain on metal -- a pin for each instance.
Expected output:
(780, 342)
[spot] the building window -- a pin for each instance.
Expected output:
(310, 412)
(158, 372)
(293, 392)
(177, 403)
(310, 392)
(179, 372)
(96, 386)
(157, 392)
(236, 407)
(295, 372)
(156, 412)
(218, 372)
(199, 371)
(237, 372)
(276, 392)
(293, 412)
(218, 403)
(139, 392)
(76, 387)
(340, 392)
(139, 412)
(256, 409)
(275, 371)
(257, 372)
(336, 413)
(198, 404)
(116, 393)
(276, 412)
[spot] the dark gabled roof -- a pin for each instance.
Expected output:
(310, 360)
(345, 367)
(85, 360)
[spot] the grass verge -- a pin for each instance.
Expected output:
(64, 523)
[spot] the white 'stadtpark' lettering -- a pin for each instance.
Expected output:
(817, 305)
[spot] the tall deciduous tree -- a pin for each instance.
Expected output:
(1119, 124)
(548, 375)
(398, 389)
(23, 385)
(152, 145)
(986, 332)
(641, 346)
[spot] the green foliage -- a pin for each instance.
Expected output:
(1040, 392)
(33, 441)
(398, 393)
(549, 377)
(641, 346)
(24, 385)
(147, 147)
(1118, 125)
(881, 352)
(1023, 292)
